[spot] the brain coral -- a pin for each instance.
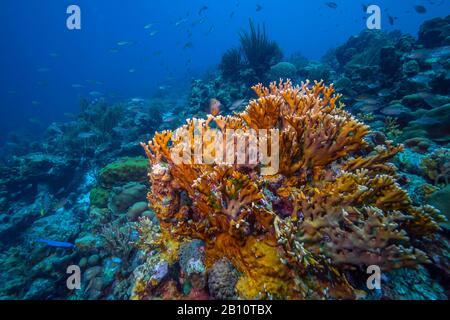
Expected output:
(333, 207)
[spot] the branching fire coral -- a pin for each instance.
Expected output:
(333, 206)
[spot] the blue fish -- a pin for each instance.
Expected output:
(116, 260)
(56, 244)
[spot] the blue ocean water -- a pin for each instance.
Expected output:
(42, 61)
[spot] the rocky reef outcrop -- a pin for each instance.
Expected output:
(334, 206)
(361, 184)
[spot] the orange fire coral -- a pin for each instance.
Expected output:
(333, 205)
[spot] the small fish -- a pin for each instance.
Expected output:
(86, 135)
(132, 70)
(392, 19)
(259, 7)
(77, 86)
(420, 9)
(56, 244)
(116, 260)
(332, 5)
(237, 104)
(373, 85)
(198, 22)
(42, 212)
(113, 50)
(124, 43)
(384, 93)
(169, 119)
(202, 9)
(366, 99)
(35, 103)
(188, 45)
(148, 26)
(361, 97)
(420, 78)
(95, 94)
(231, 14)
(369, 108)
(214, 107)
(181, 21)
(211, 29)
(416, 54)
(154, 33)
(436, 2)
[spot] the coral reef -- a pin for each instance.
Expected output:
(431, 123)
(436, 166)
(395, 75)
(334, 205)
(282, 70)
(231, 64)
(410, 284)
(391, 128)
(439, 199)
(84, 184)
(117, 240)
(123, 171)
(203, 91)
(435, 33)
(344, 197)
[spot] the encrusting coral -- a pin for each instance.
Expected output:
(333, 206)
